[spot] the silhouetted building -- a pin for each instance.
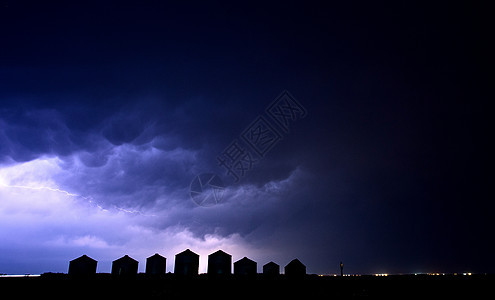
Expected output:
(125, 267)
(219, 263)
(82, 266)
(245, 267)
(295, 269)
(156, 265)
(271, 269)
(186, 263)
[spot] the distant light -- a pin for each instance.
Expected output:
(381, 274)
(469, 274)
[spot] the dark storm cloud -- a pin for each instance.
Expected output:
(27, 134)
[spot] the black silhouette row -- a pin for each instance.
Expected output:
(186, 264)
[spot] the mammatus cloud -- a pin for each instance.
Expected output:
(37, 216)
(104, 191)
(64, 207)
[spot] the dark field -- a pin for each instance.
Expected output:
(311, 287)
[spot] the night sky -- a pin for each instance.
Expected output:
(108, 112)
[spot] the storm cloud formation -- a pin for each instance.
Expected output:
(108, 112)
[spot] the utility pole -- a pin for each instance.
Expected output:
(341, 269)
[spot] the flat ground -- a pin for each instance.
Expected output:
(311, 287)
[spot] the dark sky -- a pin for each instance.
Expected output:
(109, 111)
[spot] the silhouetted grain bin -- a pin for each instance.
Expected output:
(156, 265)
(245, 267)
(186, 263)
(219, 263)
(295, 269)
(125, 267)
(83, 266)
(271, 269)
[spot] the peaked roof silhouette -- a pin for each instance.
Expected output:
(271, 269)
(295, 262)
(295, 268)
(187, 252)
(244, 260)
(156, 256)
(220, 253)
(84, 258)
(126, 258)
